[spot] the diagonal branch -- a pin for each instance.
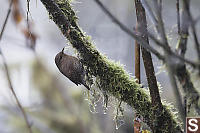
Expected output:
(133, 34)
(111, 77)
(6, 20)
(143, 43)
(8, 75)
(168, 54)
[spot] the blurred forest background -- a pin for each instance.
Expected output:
(53, 103)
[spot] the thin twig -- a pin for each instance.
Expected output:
(8, 75)
(14, 94)
(149, 11)
(192, 24)
(183, 36)
(197, 45)
(160, 2)
(160, 24)
(166, 48)
(191, 94)
(176, 92)
(178, 15)
(196, 20)
(126, 30)
(143, 43)
(169, 60)
(6, 20)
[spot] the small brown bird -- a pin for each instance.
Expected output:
(71, 67)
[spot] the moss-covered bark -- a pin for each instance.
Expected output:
(111, 77)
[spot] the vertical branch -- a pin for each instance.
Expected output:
(191, 94)
(149, 68)
(137, 59)
(178, 15)
(197, 45)
(8, 75)
(186, 4)
(148, 64)
(181, 48)
(137, 75)
(170, 61)
(160, 23)
(160, 5)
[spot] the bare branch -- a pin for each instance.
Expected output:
(133, 34)
(137, 59)
(149, 11)
(6, 20)
(169, 60)
(191, 94)
(172, 71)
(149, 69)
(143, 43)
(14, 94)
(155, 21)
(192, 24)
(197, 45)
(160, 23)
(8, 75)
(178, 15)
(182, 43)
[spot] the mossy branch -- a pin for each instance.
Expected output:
(111, 77)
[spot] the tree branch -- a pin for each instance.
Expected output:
(191, 94)
(168, 54)
(178, 15)
(149, 68)
(8, 75)
(111, 77)
(137, 59)
(143, 43)
(129, 32)
(170, 62)
(6, 20)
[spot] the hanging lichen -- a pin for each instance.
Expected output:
(111, 77)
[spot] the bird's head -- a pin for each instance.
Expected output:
(59, 57)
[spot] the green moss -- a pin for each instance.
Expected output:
(110, 76)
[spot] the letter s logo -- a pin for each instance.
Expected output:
(192, 122)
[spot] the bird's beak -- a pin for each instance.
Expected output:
(63, 50)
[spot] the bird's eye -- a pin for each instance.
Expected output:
(60, 57)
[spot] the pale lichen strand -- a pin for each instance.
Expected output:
(110, 76)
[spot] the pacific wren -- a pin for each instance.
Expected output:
(71, 67)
